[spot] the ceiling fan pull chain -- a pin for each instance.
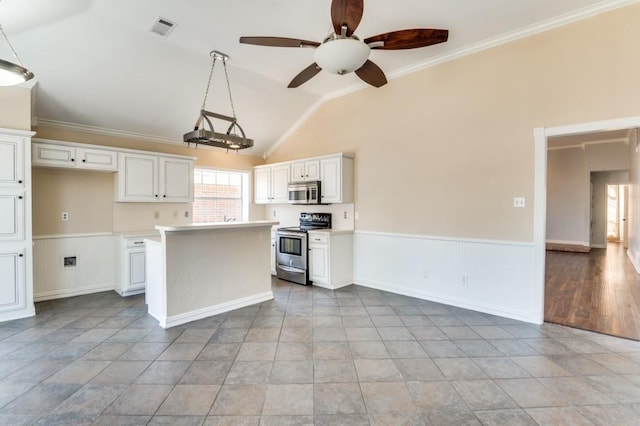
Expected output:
(233, 109)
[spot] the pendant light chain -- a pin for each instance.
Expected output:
(233, 109)
(206, 93)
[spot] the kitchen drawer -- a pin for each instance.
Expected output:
(318, 238)
(135, 242)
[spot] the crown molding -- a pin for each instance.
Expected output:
(584, 145)
(62, 125)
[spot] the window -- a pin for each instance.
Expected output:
(220, 196)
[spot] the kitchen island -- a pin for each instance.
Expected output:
(196, 271)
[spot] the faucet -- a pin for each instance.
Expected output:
(229, 219)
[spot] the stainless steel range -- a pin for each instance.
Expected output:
(292, 247)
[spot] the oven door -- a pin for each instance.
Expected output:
(291, 257)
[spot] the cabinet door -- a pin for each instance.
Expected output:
(319, 263)
(280, 184)
(312, 170)
(53, 155)
(176, 180)
(297, 172)
(305, 171)
(137, 177)
(11, 216)
(11, 163)
(262, 185)
(331, 177)
(12, 280)
(137, 277)
(96, 159)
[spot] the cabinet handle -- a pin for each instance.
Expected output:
(156, 195)
(19, 181)
(20, 197)
(73, 159)
(164, 196)
(21, 255)
(84, 161)
(138, 242)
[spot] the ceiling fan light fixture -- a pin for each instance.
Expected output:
(341, 55)
(11, 73)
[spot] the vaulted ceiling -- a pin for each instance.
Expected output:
(99, 67)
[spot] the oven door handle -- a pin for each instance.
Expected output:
(291, 269)
(290, 234)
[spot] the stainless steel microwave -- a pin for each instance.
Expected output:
(304, 192)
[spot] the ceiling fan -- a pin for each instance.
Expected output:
(343, 52)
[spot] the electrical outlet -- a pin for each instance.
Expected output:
(156, 215)
(465, 279)
(65, 215)
(519, 202)
(175, 215)
(345, 214)
(186, 213)
(274, 213)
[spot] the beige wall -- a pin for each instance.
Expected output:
(15, 107)
(443, 151)
(88, 196)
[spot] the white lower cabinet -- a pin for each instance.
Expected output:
(331, 258)
(133, 277)
(12, 277)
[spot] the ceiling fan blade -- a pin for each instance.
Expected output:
(372, 74)
(305, 75)
(278, 42)
(408, 39)
(346, 12)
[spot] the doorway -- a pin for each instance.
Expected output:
(617, 211)
(585, 300)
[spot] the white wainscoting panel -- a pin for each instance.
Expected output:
(94, 270)
(494, 277)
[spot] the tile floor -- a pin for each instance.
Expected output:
(356, 356)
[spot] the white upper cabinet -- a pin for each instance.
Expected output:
(305, 171)
(271, 184)
(151, 178)
(336, 175)
(96, 159)
(73, 156)
(11, 162)
(138, 178)
(176, 180)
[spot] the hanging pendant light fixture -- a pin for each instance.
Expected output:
(11, 73)
(234, 138)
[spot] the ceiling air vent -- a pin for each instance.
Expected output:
(162, 27)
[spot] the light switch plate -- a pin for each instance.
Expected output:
(519, 202)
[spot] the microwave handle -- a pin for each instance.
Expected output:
(308, 194)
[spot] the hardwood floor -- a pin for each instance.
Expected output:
(598, 291)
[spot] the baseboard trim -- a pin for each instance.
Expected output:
(424, 295)
(18, 314)
(633, 261)
(172, 321)
(60, 294)
(571, 246)
(329, 286)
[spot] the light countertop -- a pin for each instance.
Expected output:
(218, 225)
